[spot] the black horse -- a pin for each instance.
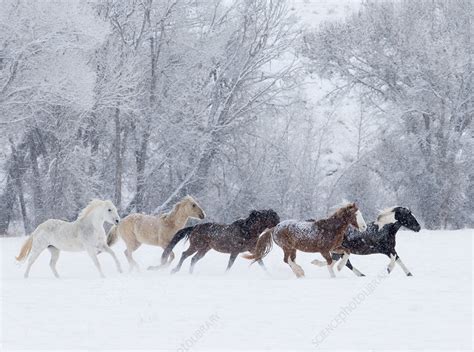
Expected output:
(237, 237)
(379, 238)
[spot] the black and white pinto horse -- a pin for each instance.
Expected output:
(379, 237)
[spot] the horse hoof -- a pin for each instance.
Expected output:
(362, 275)
(151, 267)
(409, 274)
(318, 262)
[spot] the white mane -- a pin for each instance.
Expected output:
(386, 216)
(93, 204)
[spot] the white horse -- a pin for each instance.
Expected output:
(85, 234)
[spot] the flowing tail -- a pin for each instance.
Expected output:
(25, 249)
(112, 236)
(263, 247)
(176, 238)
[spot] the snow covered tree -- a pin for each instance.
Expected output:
(413, 61)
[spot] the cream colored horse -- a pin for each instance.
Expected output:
(138, 229)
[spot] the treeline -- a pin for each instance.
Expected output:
(142, 102)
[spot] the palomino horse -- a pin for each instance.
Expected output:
(380, 237)
(240, 236)
(312, 236)
(85, 234)
(138, 229)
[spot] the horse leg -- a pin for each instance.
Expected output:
(190, 251)
(330, 263)
(35, 252)
(92, 251)
(201, 253)
(354, 270)
(107, 249)
(132, 247)
(231, 260)
(343, 262)
(405, 269)
(335, 257)
(170, 258)
(262, 265)
(54, 259)
(392, 262)
(162, 266)
(298, 270)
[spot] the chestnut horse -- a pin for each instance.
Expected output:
(323, 236)
(237, 237)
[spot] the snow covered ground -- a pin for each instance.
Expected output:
(244, 309)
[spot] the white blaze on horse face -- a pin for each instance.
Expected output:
(361, 221)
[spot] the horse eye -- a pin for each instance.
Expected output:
(194, 205)
(110, 209)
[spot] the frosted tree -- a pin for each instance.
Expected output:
(43, 77)
(413, 61)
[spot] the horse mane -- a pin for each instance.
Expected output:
(340, 210)
(175, 208)
(243, 223)
(382, 218)
(94, 203)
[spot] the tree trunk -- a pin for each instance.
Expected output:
(19, 164)
(118, 161)
(7, 199)
(38, 202)
(140, 158)
(6, 205)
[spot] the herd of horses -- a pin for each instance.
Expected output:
(335, 237)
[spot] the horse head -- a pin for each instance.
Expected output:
(191, 208)
(398, 214)
(110, 213)
(103, 208)
(355, 216)
(406, 218)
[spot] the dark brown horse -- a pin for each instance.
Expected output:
(240, 236)
(324, 236)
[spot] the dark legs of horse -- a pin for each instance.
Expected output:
(395, 259)
(201, 253)
(336, 257)
(190, 251)
(262, 265)
(231, 260)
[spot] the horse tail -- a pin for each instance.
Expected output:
(25, 249)
(112, 236)
(174, 241)
(263, 247)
